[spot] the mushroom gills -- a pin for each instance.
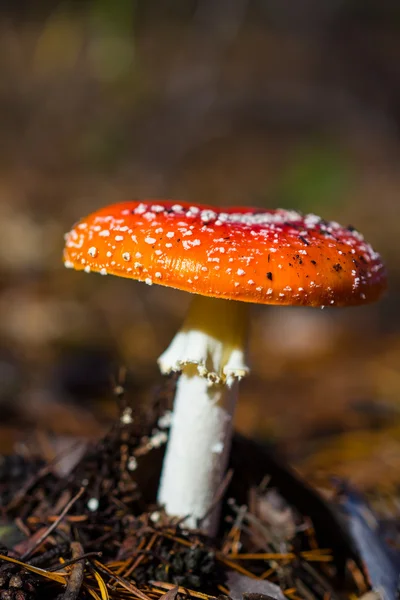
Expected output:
(209, 350)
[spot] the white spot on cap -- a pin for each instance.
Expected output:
(119, 238)
(140, 209)
(92, 251)
(158, 275)
(126, 256)
(138, 255)
(103, 271)
(149, 281)
(240, 272)
(87, 269)
(68, 264)
(170, 234)
(150, 240)
(104, 233)
(208, 215)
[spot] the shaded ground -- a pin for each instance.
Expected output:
(96, 529)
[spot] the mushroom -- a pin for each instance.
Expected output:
(227, 258)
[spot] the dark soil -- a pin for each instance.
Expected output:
(98, 530)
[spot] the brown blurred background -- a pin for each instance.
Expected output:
(244, 102)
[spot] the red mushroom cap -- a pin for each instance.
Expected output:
(253, 255)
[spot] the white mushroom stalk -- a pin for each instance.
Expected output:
(209, 351)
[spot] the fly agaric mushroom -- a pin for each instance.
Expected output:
(234, 254)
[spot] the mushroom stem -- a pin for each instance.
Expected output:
(209, 350)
